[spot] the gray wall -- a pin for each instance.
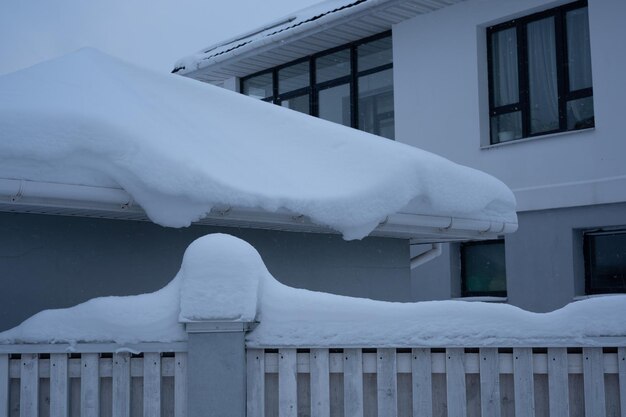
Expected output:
(544, 259)
(57, 261)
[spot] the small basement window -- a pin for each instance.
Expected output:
(483, 269)
(605, 261)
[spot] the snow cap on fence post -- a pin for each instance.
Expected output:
(221, 275)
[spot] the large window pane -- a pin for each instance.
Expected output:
(258, 87)
(374, 54)
(332, 66)
(578, 51)
(483, 268)
(580, 114)
(606, 261)
(543, 88)
(293, 77)
(504, 67)
(376, 103)
(334, 104)
(299, 103)
(506, 127)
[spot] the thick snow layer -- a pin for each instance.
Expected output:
(181, 147)
(296, 317)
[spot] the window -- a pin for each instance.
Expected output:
(540, 74)
(351, 85)
(483, 269)
(605, 261)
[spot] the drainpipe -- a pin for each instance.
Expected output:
(427, 256)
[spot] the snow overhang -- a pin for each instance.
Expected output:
(305, 32)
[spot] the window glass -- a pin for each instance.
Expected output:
(578, 51)
(504, 67)
(334, 104)
(332, 66)
(293, 77)
(543, 87)
(258, 87)
(605, 257)
(374, 54)
(376, 103)
(506, 127)
(580, 113)
(483, 269)
(299, 103)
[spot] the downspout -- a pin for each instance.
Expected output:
(427, 256)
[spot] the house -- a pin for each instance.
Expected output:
(528, 91)
(109, 171)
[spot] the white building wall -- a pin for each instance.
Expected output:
(441, 104)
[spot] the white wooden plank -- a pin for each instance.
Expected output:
(152, 384)
(59, 385)
(387, 383)
(621, 365)
(4, 385)
(455, 382)
(255, 401)
(89, 385)
(558, 384)
(422, 383)
(353, 382)
(29, 385)
(120, 374)
(489, 383)
(287, 383)
(320, 383)
(523, 383)
(593, 374)
(180, 385)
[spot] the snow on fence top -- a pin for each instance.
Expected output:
(181, 147)
(223, 278)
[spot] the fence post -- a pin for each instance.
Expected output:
(216, 369)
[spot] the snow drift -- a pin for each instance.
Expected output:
(181, 147)
(216, 266)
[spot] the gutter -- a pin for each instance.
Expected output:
(427, 256)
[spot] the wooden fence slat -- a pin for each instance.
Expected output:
(180, 385)
(255, 401)
(455, 382)
(287, 383)
(4, 385)
(29, 385)
(387, 382)
(593, 381)
(621, 366)
(523, 382)
(353, 383)
(120, 374)
(320, 382)
(59, 385)
(152, 384)
(89, 385)
(421, 369)
(558, 384)
(489, 382)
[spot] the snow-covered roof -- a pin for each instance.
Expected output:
(313, 29)
(92, 134)
(223, 278)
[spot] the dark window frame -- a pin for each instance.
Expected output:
(314, 88)
(564, 93)
(587, 252)
(464, 291)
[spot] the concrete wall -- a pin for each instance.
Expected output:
(441, 104)
(56, 261)
(544, 259)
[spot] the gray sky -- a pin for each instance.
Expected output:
(151, 33)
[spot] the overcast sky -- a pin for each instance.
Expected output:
(151, 33)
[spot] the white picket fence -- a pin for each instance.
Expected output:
(455, 382)
(47, 381)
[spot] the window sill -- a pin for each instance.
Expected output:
(485, 299)
(588, 296)
(534, 138)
